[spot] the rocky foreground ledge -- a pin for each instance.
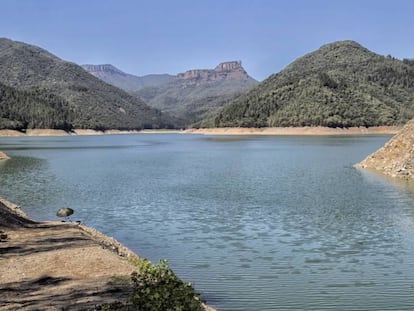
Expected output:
(396, 157)
(3, 156)
(59, 265)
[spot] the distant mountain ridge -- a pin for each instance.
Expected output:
(128, 82)
(232, 70)
(87, 101)
(197, 92)
(188, 96)
(342, 84)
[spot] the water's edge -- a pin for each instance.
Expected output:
(107, 242)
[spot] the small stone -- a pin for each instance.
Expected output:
(64, 212)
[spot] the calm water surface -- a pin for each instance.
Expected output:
(256, 223)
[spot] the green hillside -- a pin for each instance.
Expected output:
(342, 84)
(32, 109)
(91, 102)
(191, 103)
(193, 94)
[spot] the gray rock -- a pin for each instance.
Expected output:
(64, 212)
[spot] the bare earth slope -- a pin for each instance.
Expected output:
(396, 157)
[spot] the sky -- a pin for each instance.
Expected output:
(171, 36)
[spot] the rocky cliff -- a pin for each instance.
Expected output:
(197, 92)
(396, 157)
(189, 95)
(225, 71)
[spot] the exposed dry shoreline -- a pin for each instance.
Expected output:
(309, 130)
(51, 132)
(55, 265)
(395, 158)
(59, 265)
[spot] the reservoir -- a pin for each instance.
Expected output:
(254, 222)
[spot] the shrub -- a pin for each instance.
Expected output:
(157, 287)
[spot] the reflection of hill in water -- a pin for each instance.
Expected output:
(26, 180)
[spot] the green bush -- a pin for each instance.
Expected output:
(157, 287)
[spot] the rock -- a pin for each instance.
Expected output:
(3, 236)
(64, 212)
(3, 156)
(396, 157)
(224, 71)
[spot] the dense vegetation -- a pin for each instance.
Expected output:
(32, 109)
(186, 99)
(190, 101)
(155, 288)
(91, 102)
(340, 85)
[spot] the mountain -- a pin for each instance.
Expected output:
(396, 158)
(342, 84)
(125, 81)
(196, 92)
(87, 101)
(32, 109)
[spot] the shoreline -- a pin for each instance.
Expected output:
(275, 131)
(55, 265)
(298, 131)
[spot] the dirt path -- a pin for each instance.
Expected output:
(58, 266)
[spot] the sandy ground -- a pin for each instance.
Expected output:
(58, 265)
(378, 130)
(51, 132)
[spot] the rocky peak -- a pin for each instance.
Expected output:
(224, 71)
(229, 66)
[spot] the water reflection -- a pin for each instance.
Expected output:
(26, 180)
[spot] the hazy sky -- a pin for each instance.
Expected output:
(171, 36)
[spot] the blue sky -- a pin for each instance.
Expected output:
(171, 36)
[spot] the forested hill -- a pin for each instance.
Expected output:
(32, 109)
(188, 96)
(90, 102)
(342, 84)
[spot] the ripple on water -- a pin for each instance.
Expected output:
(275, 223)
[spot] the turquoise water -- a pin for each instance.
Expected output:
(256, 223)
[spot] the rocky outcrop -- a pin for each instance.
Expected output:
(224, 71)
(396, 157)
(187, 96)
(3, 156)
